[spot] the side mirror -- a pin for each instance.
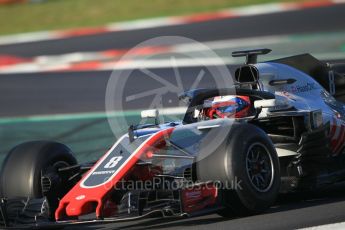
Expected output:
(150, 113)
(279, 102)
(265, 103)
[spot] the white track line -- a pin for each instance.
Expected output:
(166, 21)
(66, 62)
(336, 226)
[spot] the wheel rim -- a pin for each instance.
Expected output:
(259, 167)
(53, 168)
(60, 164)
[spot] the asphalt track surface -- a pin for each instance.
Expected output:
(306, 21)
(50, 93)
(292, 211)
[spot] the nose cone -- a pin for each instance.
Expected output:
(80, 207)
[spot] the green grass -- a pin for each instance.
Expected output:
(62, 14)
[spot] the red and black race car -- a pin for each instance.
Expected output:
(279, 129)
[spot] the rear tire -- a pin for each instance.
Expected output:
(248, 165)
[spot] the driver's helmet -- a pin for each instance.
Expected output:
(228, 106)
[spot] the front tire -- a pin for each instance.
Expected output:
(249, 167)
(24, 165)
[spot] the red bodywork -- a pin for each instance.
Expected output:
(199, 197)
(84, 200)
(80, 200)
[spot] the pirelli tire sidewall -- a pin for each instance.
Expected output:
(254, 201)
(228, 165)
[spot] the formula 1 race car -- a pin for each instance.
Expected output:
(279, 129)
